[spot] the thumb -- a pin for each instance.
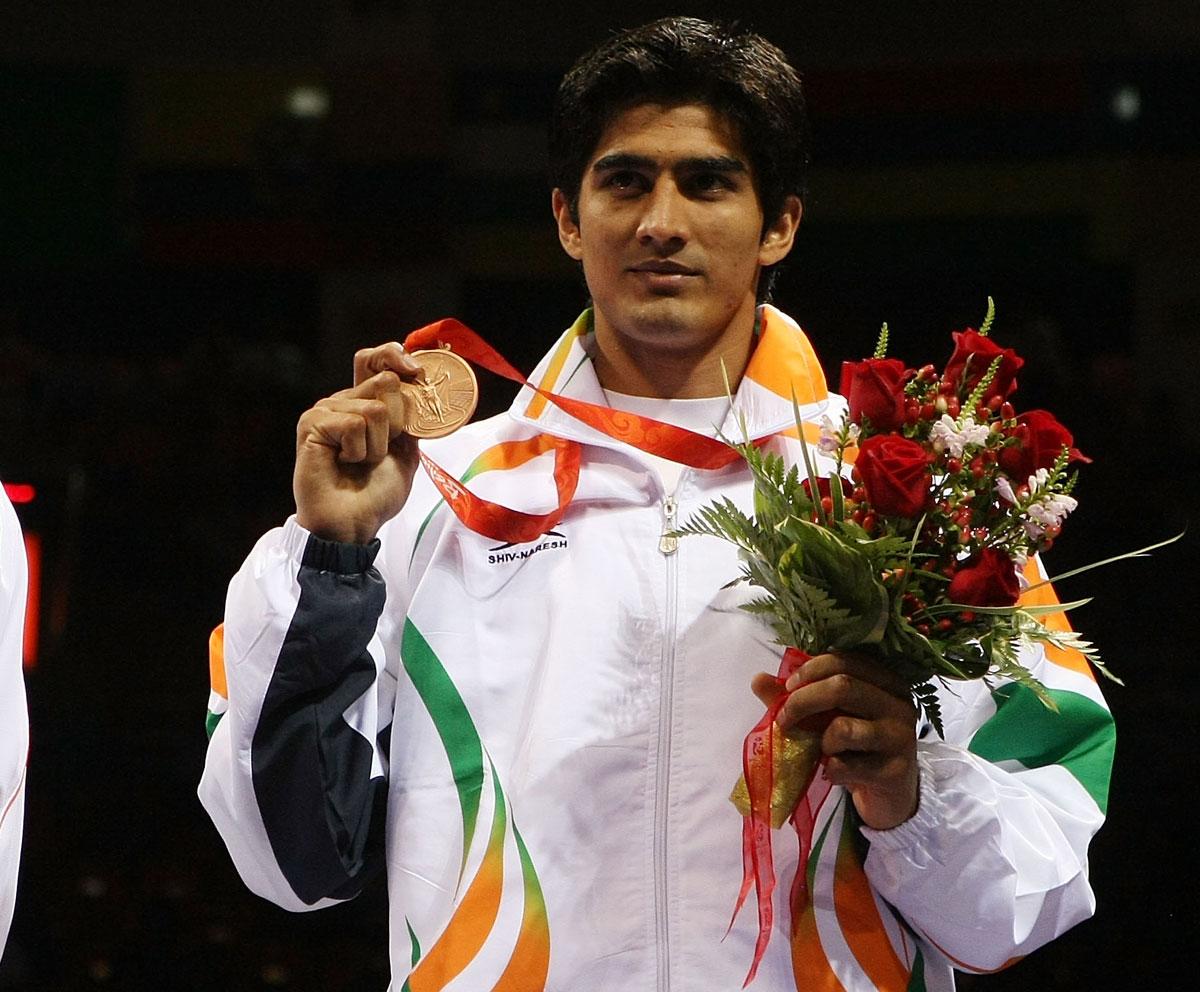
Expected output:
(767, 688)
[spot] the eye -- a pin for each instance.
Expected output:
(710, 183)
(625, 181)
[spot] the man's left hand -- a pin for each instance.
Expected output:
(870, 743)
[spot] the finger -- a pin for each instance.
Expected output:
(344, 433)
(854, 735)
(388, 388)
(376, 417)
(767, 688)
(873, 769)
(853, 768)
(859, 666)
(846, 694)
(390, 357)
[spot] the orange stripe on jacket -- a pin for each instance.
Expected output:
(964, 966)
(511, 454)
(858, 917)
(554, 369)
(809, 964)
(472, 921)
(784, 361)
(216, 661)
(1044, 595)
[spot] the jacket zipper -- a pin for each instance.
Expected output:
(668, 544)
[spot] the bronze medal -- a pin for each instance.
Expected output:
(445, 400)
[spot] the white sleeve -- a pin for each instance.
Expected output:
(994, 863)
(14, 718)
(296, 767)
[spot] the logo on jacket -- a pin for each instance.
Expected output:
(548, 541)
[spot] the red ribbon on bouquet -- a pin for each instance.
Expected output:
(758, 863)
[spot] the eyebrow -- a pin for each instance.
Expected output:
(709, 163)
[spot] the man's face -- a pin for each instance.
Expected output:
(670, 230)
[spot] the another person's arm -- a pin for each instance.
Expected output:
(14, 719)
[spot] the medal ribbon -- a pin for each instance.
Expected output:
(502, 523)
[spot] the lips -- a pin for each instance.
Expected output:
(664, 267)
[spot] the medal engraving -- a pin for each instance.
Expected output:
(445, 400)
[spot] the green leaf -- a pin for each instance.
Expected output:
(808, 465)
(1139, 553)
(881, 345)
(986, 326)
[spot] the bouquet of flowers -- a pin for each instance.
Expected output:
(911, 551)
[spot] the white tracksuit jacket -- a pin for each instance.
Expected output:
(14, 720)
(537, 741)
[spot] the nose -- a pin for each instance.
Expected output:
(663, 224)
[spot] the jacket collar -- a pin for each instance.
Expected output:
(783, 363)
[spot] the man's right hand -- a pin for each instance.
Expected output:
(354, 463)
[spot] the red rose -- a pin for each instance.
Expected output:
(986, 579)
(973, 355)
(895, 474)
(1040, 438)
(875, 391)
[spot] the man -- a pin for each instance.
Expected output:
(537, 737)
(14, 721)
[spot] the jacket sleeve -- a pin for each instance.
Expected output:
(14, 719)
(295, 775)
(994, 863)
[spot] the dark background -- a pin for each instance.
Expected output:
(190, 253)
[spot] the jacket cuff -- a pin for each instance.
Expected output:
(338, 557)
(913, 835)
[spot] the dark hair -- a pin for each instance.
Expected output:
(685, 60)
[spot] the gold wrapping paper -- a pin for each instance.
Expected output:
(793, 762)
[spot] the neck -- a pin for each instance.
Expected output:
(637, 367)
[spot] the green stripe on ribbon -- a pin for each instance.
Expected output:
(453, 724)
(1080, 736)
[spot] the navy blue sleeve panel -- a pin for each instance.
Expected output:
(322, 810)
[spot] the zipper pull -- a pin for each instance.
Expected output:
(668, 544)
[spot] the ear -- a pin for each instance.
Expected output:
(777, 241)
(568, 230)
